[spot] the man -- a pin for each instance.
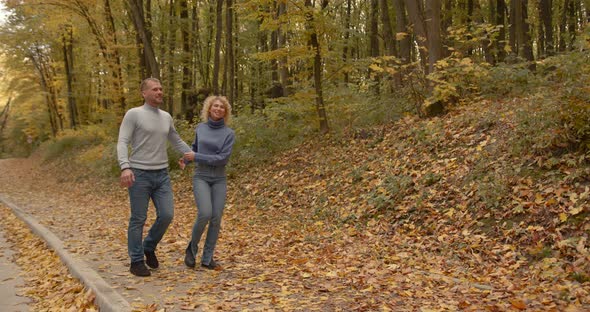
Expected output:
(145, 173)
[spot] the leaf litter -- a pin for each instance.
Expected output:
(420, 215)
(47, 280)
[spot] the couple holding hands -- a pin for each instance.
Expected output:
(147, 129)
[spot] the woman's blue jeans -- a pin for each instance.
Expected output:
(154, 184)
(209, 195)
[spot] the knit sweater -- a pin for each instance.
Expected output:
(147, 129)
(212, 146)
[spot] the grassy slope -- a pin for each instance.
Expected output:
(472, 196)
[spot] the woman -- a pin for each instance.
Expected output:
(210, 151)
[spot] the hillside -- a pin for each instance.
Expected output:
(478, 197)
(474, 210)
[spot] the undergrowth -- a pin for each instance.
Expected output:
(554, 119)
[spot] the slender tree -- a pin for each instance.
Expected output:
(229, 47)
(402, 31)
(433, 15)
(4, 118)
(144, 34)
(68, 46)
(317, 64)
(347, 30)
(546, 27)
(285, 79)
(46, 72)
(170, 58)
(186, 61)
(217, 53)
(374, 40)
(416, 13)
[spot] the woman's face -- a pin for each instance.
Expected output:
(217, 110)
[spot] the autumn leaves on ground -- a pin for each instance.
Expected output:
(458, 212)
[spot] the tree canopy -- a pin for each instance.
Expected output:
(85, 58)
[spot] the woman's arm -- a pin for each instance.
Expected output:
(221, 158)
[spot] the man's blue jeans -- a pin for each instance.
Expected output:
(209, 195)
(154, 184)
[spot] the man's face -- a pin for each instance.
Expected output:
(153, 94)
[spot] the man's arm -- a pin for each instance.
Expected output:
(125, 133)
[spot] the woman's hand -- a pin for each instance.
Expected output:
(181, 163)
(189, 156)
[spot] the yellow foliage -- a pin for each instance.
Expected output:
(92, 154)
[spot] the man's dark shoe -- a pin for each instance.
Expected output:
(189, 258)
(212, 265)
(139, 269)
(151, 260)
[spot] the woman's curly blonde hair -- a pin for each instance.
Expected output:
(207, 106)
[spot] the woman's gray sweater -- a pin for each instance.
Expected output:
(212, 146)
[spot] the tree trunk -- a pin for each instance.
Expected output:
(283, 69)
(185, 25)
(260, 82)
(388, 37)
(347, 31)
(446, 22)
(526, 32)
(117, 70)
(144, 34)
(217, 53)
(401, 28)
(274, 45)
(171, 60)
(433, 8)
(374, 29)
(485, 41)
(238, 83)
(546, 13)
(229, 47)
(416, 13)
(208, 52)
(523, 37)
(513, 26)
(500, 20)
(572, 22)
(374, 42)
(107, 44)
(67, 40)
(317, 65)
(562, 26)
(43, 66)
(4, 119)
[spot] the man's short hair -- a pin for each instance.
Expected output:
(145, 81)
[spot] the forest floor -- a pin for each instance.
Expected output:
(442, 214)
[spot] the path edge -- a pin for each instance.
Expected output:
(107, 298)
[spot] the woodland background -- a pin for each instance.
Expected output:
(290, 68)
(436, 154)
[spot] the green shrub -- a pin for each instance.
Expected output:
(575, 115)
(351, 108)
(455, 80)
(281, 125)
(508, 80)
(537, 125)
(71, 142)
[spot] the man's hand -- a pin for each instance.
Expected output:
(127, 178)
(181, 163)
(189, 156)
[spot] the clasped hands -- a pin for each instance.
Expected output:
(188, 156)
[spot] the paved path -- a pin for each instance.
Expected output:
(10, 280)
